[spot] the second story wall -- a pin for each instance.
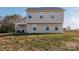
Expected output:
(49, 17)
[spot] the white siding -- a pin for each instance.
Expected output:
(17, 27)
(41, 28)
(58, 17)
(40, 24)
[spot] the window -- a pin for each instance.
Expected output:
(41, 17)
(29, 17)
(52, 16)
(56, 28)
(34, 28)
(47, 28)
(18, 31)
(22, 31)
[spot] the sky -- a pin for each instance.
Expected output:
(12, 10)
(71, 14)
(71, 17)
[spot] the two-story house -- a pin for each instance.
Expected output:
(42, 20)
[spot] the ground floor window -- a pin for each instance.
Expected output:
(22, 31)
(47, 28)
(18, 31)
(34, 28)
(56, 27)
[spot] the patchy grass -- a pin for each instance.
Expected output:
(68, 41)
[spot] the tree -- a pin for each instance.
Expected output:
(9, 21)
(12, 18)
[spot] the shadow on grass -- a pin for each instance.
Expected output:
(34, 33)
(22, 34)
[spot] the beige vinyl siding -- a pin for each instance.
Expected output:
(41, 28)
(58, 17)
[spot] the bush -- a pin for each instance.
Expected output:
(6, 28)
(2, 30)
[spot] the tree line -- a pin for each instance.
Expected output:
(7, 24)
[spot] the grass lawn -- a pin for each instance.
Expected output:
(68, 41)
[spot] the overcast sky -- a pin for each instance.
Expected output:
(71, 14)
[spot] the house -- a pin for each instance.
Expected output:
(42, 20)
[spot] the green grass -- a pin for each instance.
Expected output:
(68, 41)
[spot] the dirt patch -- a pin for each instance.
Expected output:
(71, 44)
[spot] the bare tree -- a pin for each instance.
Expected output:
(9, 21)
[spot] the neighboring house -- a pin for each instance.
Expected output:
(42, 20)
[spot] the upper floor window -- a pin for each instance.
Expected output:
(29, 17)
(52, 16)
(41, 17)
